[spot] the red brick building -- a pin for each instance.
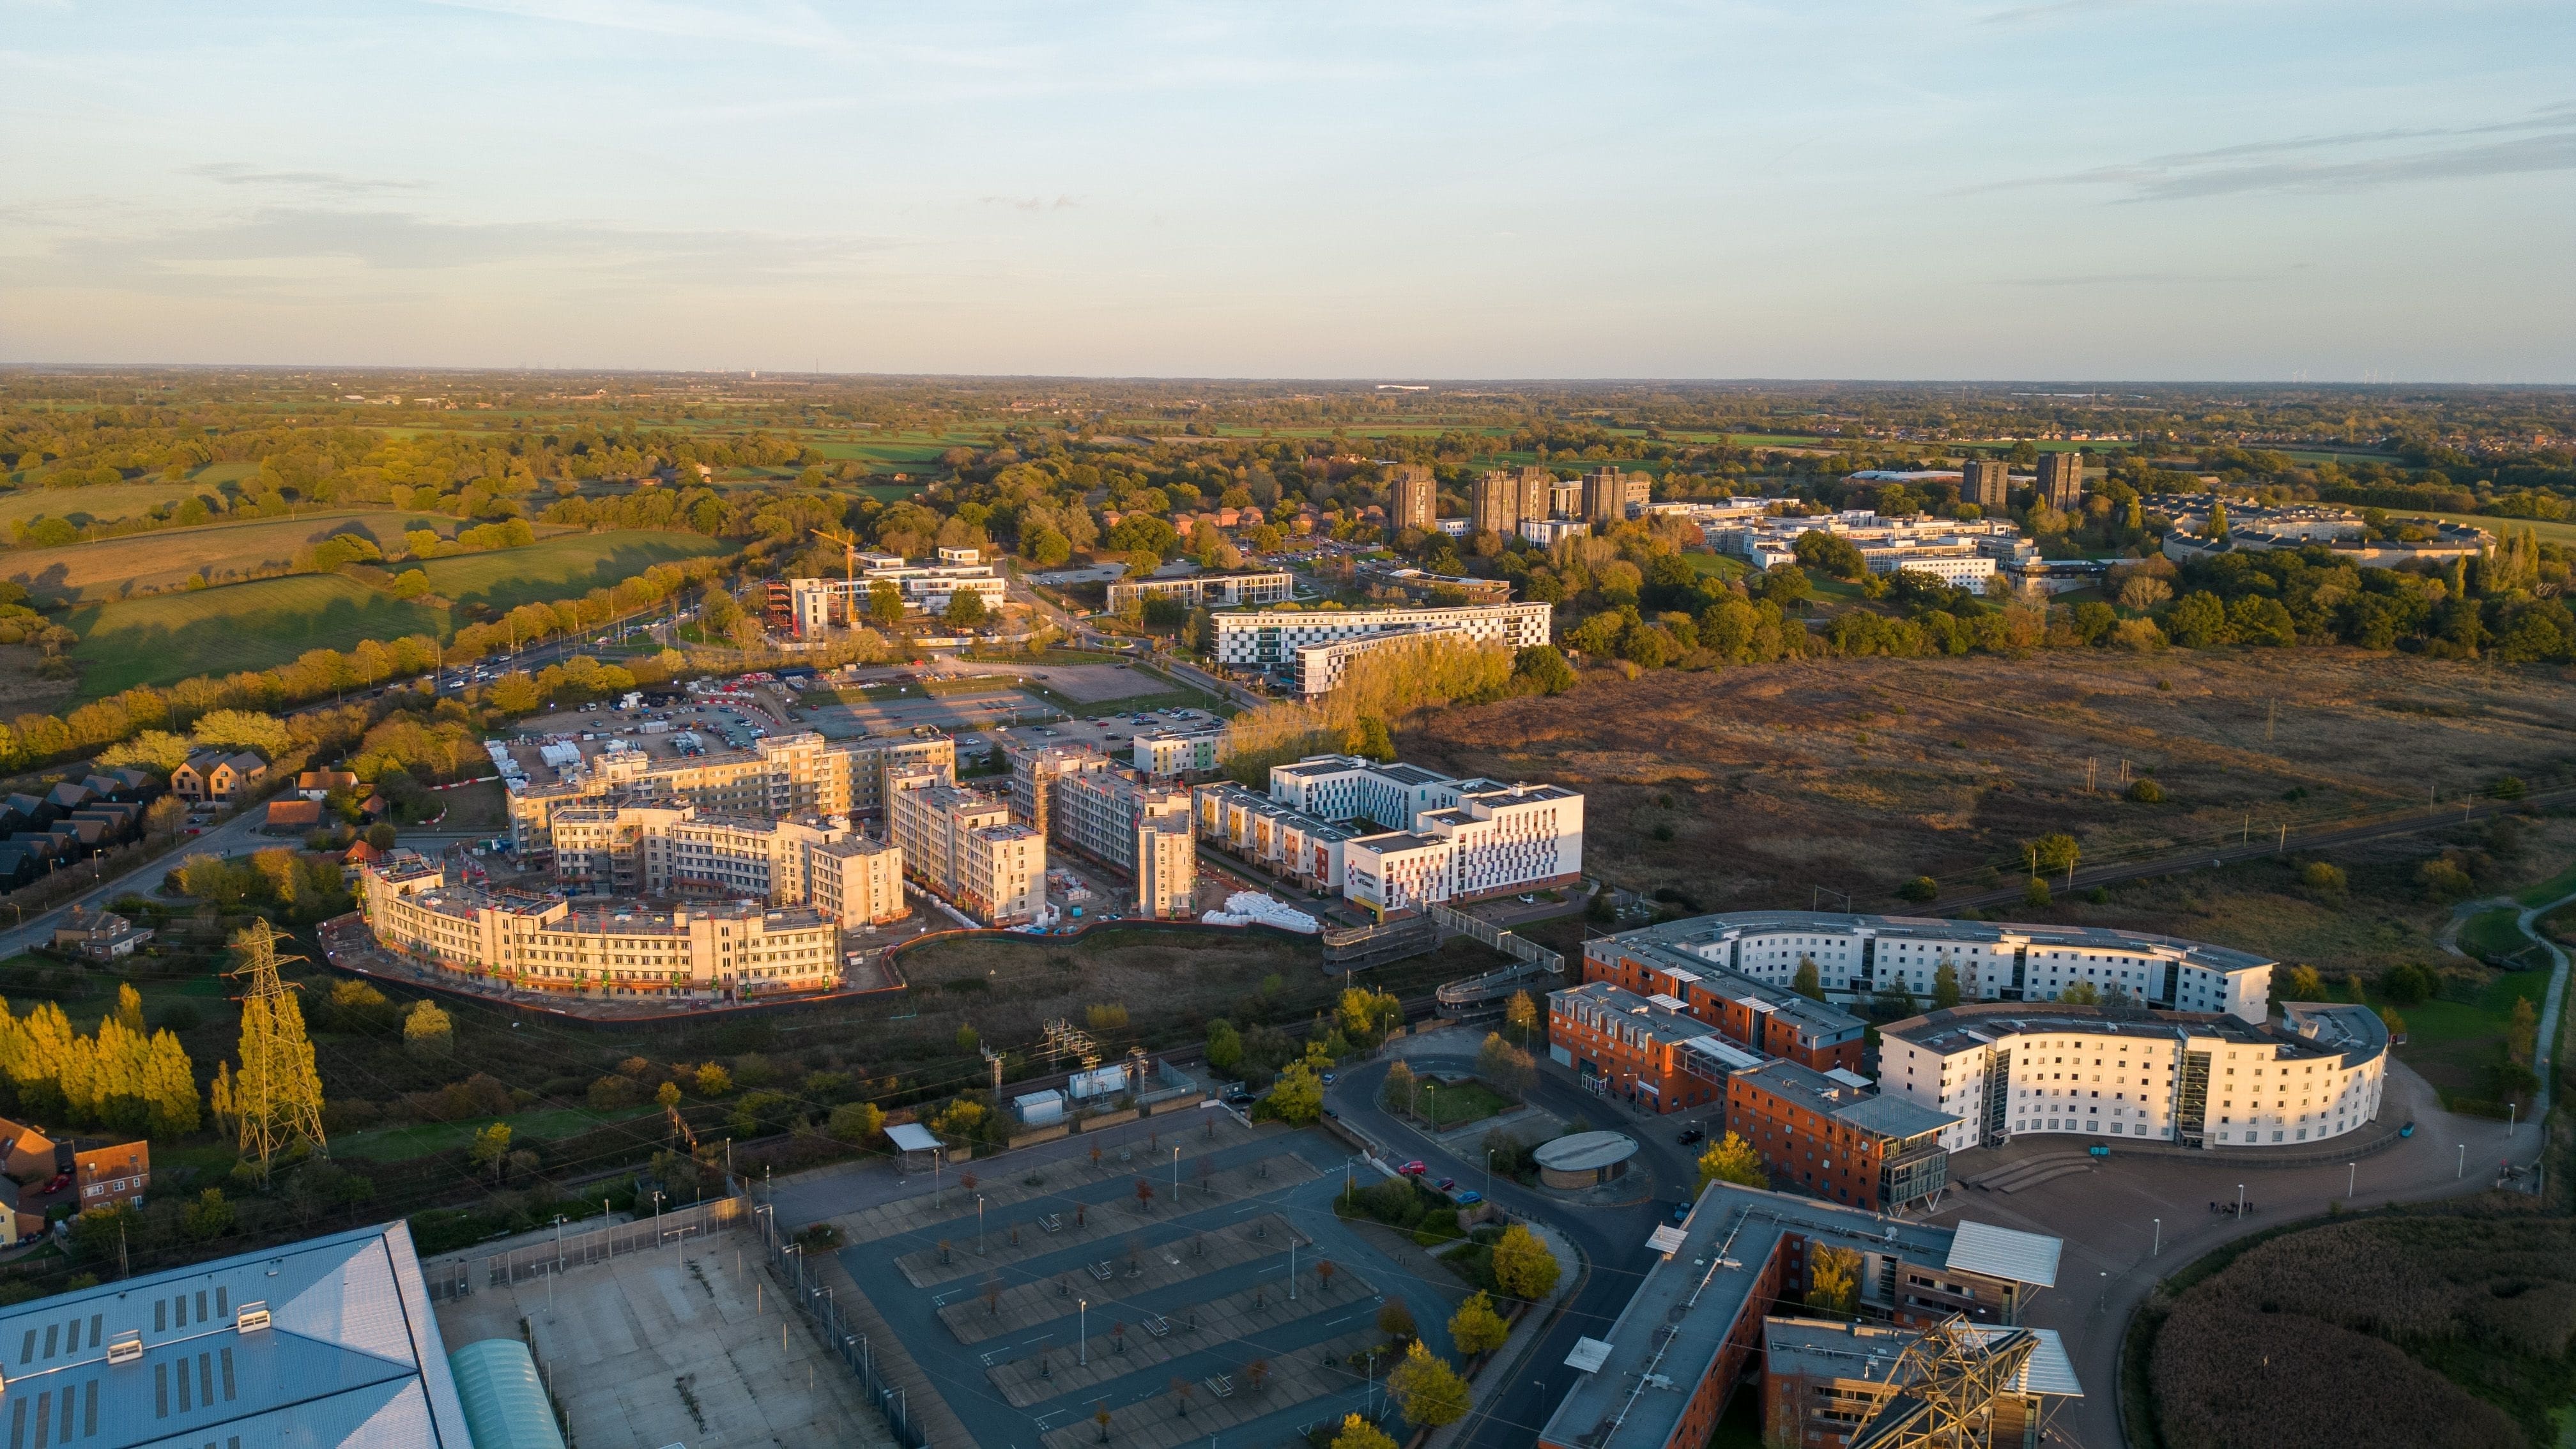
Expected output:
(1643, 1050)
(1831, 1136)
(1754, 1015)
(114, 1176)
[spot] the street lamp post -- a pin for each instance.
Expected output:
(657, 1219)
(2240, 1202)
(2351, 1174)
(2158, 1250)
(1489, 1174)
(1082, 1331)
(979, 1222)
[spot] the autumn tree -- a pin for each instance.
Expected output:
(1355, 1433)
(1476, 1327)
(1427, 1388)
(1835, 1276)
(1731, 1159)
(1523, 1266)
(1298, 1097)
(428, 1030)
(1521, 1015)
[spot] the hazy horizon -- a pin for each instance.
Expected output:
(2087, 190)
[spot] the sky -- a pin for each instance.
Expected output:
(1974, 189)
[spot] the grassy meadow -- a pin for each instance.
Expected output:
(169, 637)
(89, 573)
(104, 504)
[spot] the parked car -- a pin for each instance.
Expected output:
(1469, 1198)
(1690, 1135)
(1681, 1210)
(1445, 1185)
(1328, 1079)
(1413, 1168)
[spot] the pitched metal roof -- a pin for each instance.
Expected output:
(325, 1342)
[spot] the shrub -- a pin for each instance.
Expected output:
(2146, 791)
(1921, 888)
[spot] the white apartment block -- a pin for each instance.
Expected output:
(1322, 668)
(818, 605)
(791, 774)
(964, 846)
(1857, 956)
(1269, 640)
(732, 949)
(1215, 591)
(1442, 839)
(1285, 841)
(1166, 754)
(2195, 1081)
(1346, 787)
(1947, 547)
(1397, 871)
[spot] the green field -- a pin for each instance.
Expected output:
(167, 558)
(106, 504)
(2541, 528)
(169, 637)
(559, 568)
(2492, 934)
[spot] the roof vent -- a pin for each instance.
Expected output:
(127, 1347)
(253, 1317)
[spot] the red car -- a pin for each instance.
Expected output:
(1413, 1169)
(61, 1180)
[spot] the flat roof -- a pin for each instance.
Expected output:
(2004, 1253)
(911, 1137)
(1585, 1151)
(349, 1353)
(1727, 925)
(1687, 1303)
(2339, 1030)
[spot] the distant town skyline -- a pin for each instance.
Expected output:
(2082, 189)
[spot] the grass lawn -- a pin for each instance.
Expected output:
(169, 637)
(106, 503)
(560, 568)
(2561, 884)
(1452, 1104)
(168, 558)
(2493, 933)
(2454, 1043)
(2543, 529)
(393, 1144)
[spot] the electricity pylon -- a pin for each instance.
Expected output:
(278, 1093)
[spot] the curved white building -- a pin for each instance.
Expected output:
(2006, 1070)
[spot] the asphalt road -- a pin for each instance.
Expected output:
(1613, 1240)
(239, 836)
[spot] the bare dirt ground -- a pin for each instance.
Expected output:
(1859, 775)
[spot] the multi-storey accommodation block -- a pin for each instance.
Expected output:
(1210, 591)
(963, 845)
(547, 944)
(2191, 1079)
(1269, 640)
(795, 774)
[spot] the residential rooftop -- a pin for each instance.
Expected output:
(2315, 1030)
(1690, 1300)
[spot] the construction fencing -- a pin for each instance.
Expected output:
(458, 1275)
(823, 1310)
